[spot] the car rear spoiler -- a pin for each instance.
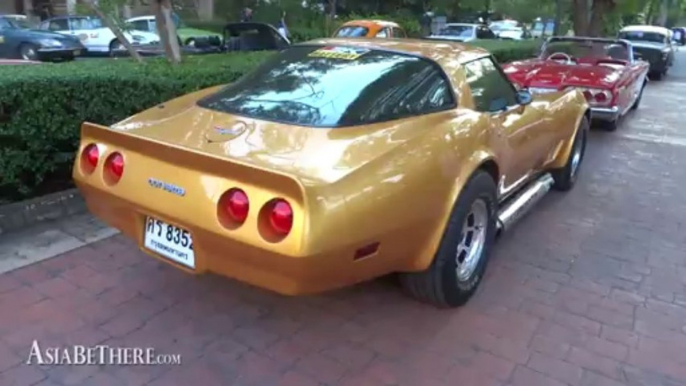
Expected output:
(197, 160)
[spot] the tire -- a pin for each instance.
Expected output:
(441, 284)
(28, 51)
(638, 100)
(612, 125)
(657, 75)
(114, 45)
(566, 177)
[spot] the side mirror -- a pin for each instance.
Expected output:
(524, 97)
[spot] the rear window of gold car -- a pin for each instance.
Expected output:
(336, 86)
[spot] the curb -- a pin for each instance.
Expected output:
(54, 206)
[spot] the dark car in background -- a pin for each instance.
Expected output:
(652, 44)
(17, 42)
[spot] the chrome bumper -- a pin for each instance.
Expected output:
(609, 114)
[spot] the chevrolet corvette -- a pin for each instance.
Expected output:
(607, 71)
(335, 162)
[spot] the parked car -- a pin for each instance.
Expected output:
(679, 36)
(463, 32)
(21, 43)
(607, 72)
(370, 29)
(498, 25)
(514, 33)
(93, 35)
(653, 44)
(187, 35)
(250, 36)
(245, 37)
(335, 162)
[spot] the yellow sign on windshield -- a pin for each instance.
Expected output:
(345, 53)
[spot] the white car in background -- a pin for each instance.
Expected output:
(93, 35)
(464, 32)
(514, 33)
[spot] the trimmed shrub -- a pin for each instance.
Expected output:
(42, 106)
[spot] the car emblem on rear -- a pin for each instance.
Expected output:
(223, 134)
(231, 131)
(171, 188)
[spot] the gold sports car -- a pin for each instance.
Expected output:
(338, 161)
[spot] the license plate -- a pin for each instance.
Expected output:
(169, 241)
(77, 52)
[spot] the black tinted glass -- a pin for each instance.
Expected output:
(491, 90)
(336, 86)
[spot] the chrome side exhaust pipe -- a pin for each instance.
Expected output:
(515, 208)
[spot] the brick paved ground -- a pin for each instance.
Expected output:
(588, 290)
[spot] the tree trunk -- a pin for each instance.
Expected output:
(600, 9)
(167, 31)
(580, 17)
(662, 16)
(558, 17)
(115, 29)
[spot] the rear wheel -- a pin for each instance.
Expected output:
(565, 178)
(657, 75)
(460, 262)
(116, 46)
(28, 51)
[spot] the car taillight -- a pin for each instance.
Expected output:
(236, 205)
(114, 166)
(281, 217)
(596, 96)
(91, 154)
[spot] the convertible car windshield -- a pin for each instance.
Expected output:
(588, 49)
(336, 86)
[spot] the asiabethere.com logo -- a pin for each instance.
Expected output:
(99, 355)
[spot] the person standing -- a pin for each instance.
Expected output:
(283, 29)
(246, 15)
(427, 19)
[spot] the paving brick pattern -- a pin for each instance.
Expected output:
(588, 290)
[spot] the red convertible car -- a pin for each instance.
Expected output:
(606, 70)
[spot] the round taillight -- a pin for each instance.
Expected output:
(281, 217)
(588, 95)
(115, 166)
(92, 154)
(237, 205)
(601, 97)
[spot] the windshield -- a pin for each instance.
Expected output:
(588, 49)
(643, 36)
(335, 86)
(351, 32)
(85, 23)
(7, 23)
(464, 31)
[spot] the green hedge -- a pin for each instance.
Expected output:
(42, 106)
